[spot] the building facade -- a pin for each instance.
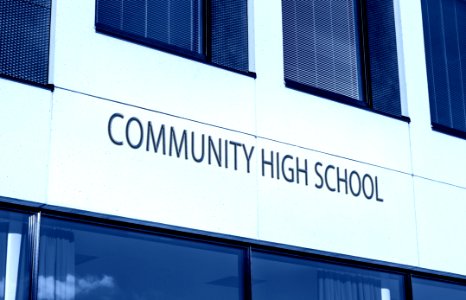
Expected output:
(221, 149)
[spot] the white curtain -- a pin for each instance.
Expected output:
(3, 254)
(14, 261)
(346, 286)
(57, 265)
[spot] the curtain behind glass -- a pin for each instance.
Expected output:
(56, 265)
(344, 286)
(14, 256)
(3, 253)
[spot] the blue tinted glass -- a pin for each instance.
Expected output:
(431, 290)
(14, 256)
(276, 277)
(80, 262)
(445, 44)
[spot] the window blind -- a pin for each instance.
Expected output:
(24, 36)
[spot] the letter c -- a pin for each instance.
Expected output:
(115, 115)
(326, 178)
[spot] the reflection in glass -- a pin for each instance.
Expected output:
(278, 277)
(81, 261)
(14, 256)
(424, 289)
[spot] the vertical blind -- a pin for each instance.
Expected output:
(445, 43)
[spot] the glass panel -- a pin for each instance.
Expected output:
(445, 44)
(277, 277)
(81, 261)
(229, 38)
(424, 289)
(14, 256)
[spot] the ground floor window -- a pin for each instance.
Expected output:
(52, 255)
(277, 277)
(82, 261)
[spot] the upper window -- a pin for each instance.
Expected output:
(24, 36)
(214, 31)
(344, 50)
(445, 43)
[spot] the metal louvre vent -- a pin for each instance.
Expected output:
(24, 36)
(229, 40)
(176, 23)
(445, 43)
(321, 45)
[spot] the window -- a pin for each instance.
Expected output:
(82, 261)
(277, 277)
(424, 289)
(213, 31)
(24, 36)
(343, 50)
(445, 44)
(66, 258)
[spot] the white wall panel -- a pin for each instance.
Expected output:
(24, 141)
(441, 211)
(89, 172)
(340, 222)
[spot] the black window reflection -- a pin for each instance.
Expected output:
(279, 278)
(81, 261)
(424, 289)
(14, 256)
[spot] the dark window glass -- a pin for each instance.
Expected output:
(215, 31)
(282, 278)
(445, 44)
(424, 289)
(24, 36)
(81, 261)
(344, 50)
(15, 256)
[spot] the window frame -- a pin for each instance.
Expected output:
(36, 211)
(363, 74)
(430, 60)
(46, 84)
(365, 84)
(206, 37)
